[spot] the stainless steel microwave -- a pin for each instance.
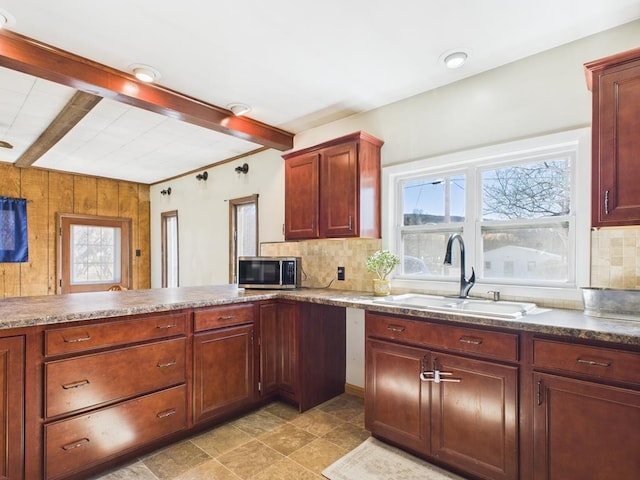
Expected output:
(269, 272)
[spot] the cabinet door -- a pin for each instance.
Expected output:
(585, 430)
(616, 190)
(474, 422)
(339, 191)
(223, 371)
(269, 349)
(301, 197)
(396, 400)
(11, 407)
(287, 331)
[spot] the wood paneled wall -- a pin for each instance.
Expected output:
(49, 193)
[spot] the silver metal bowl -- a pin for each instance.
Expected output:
(611, 303)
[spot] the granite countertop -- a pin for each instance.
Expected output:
(43, 310)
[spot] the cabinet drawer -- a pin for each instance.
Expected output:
(208, 318)
(480, 342)
(92, 380)
(596, 362)
(108, 334)
(81, 442)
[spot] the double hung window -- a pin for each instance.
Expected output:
(516, 206)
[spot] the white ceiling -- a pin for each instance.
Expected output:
(298, 63)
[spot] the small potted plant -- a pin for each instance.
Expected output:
(382, 263)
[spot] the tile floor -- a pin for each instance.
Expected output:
(273, 443)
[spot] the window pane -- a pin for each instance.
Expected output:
(534, 190)
(246, 219)
(95, 254)
(429, 201)
(527, 253)
(423, 254)
(171, 250)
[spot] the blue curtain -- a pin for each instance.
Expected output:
(13, 230)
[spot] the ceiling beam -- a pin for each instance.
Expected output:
(80, 104)
(26, 55)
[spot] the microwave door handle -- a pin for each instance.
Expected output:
(281, 265)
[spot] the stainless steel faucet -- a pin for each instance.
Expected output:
(465, 285)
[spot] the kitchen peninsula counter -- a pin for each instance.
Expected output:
(19, 312)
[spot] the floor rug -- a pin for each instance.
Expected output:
(375, 460)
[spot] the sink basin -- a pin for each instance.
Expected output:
(416, 300)
(468, 306)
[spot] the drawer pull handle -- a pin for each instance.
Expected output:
(78, 443)
(166, 413)
(81, 383)
(396, 328)
(594, 363)
(471, 340)
(86, 338)
(167, 326)
(227, 317)
(167, 364)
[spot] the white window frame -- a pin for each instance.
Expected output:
(576, 141)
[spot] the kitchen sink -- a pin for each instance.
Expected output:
(468, 306)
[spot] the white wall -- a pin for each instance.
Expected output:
(355, 347)
(203, 215)
(541, 94)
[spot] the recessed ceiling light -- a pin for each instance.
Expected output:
(239, 109)
(6, 19)
(455, 59)
(144, 73)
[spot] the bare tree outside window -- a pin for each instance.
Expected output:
(535, 190)
(537, 196)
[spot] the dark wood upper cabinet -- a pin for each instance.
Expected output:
(332, 190)
(615, 83)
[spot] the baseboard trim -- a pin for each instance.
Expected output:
(354, 390)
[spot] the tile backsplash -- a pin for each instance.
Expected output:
(615, 257)
(321, 258)
(615, 260)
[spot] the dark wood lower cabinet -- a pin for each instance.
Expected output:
(468, 419)
(223, 371)
(453, 409)
(397, 401)
(75, 444)
(474, 419)
(11, 407)
(303, 352)
(585, 430)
